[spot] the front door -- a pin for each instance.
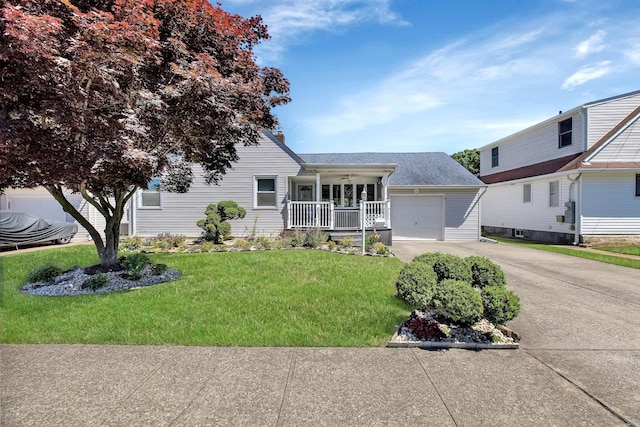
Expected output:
(305, 193)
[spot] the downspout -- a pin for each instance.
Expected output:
(577, 223)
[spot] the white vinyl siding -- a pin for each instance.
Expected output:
(536, 145)
(502, 206)
(180, 212)
(609, 204)
(624, 148)
(603, 117)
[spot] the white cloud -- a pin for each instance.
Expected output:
(592, 45)
(290, 21)
(438, 80)
(586, 74)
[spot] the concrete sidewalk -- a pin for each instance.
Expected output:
(86, 385)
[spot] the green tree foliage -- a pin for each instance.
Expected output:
(99, 97)
(215, 225)
(469, 158)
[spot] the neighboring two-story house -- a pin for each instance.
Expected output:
(574, 178)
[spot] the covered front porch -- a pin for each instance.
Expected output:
(340, 197)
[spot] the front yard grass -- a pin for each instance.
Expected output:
(568, 250)
(268, 298)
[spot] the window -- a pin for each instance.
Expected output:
(150, 196)
(494, 157)
(637, 185)
(554, 194)
(326, 194)
(526, 193)
(565, 128)
(265, 195)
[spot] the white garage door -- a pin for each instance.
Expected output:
(40, 206)
(416, 218)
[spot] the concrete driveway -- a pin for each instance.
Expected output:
(579, 317)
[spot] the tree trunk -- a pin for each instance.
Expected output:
(108, 248)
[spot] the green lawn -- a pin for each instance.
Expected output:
(627, 250)
(569, 250)
(270, 298)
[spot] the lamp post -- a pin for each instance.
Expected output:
(363, 202)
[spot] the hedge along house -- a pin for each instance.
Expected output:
(408, 196)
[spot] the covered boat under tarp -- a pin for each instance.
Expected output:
(21, 229)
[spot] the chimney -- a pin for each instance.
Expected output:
(280, 137)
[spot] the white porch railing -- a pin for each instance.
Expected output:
(326, 215)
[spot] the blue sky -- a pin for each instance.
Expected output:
(436, 75)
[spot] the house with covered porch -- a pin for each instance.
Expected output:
(403, 196)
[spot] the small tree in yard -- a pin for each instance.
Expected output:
(215, 225)
(99, 97)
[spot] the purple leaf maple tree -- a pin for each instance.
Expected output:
(98, 97)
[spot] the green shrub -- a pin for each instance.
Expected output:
(416, 284)
(485, 273)
(500, 304)
(457, 301)
(167, 241)
(206, 246)
(332, 245)
(215, 225)
(131, 244)
(158, 269)
(314, 238)
(380, 249)
(242, 244)
(135, 263)
(429, 258)
(371, 239)
(297, 240)
(44, 274)
(451, 267)
(347, 242)
(263, 242)
(97, 281)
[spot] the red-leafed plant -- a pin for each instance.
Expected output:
(425, 329)
(100, 96)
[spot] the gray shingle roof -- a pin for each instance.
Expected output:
(434, 169)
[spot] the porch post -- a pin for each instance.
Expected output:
(318, 198)
(385, 197)
(332, 218)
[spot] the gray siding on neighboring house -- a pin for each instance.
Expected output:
(602, 117)
(180, 212)
(609, 205)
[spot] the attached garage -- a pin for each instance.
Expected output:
(417, 217)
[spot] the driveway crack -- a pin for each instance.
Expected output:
(292, 365)
(435, 388)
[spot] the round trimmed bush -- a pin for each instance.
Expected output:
(500, 304)
(429, 258)
(452, 267)
(485, 272)
(416, 284)
(457, 301)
